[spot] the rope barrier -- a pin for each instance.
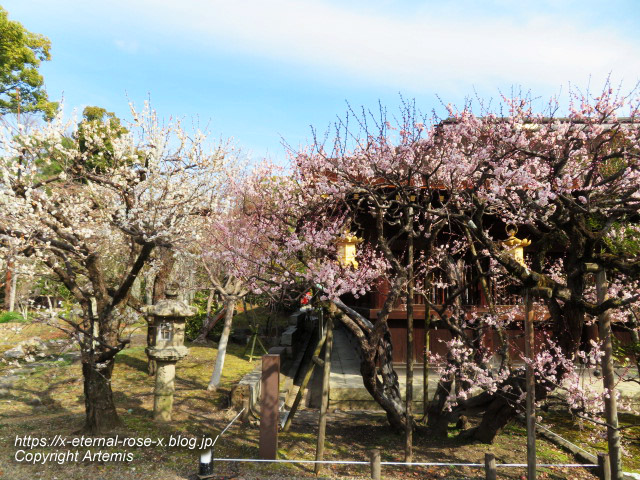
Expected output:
(206, 456)
(412, 464)
(261, 460)
(227, 427)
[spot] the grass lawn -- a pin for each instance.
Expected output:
(47, 400)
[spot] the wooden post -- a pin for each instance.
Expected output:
(321, 332)
(254, 337)
(408, 438)
(425, 365)
(269, 390)
(322, 421)
(375, 464)
(609, 380)
(531, 385)
(490, 466)
(604, 467)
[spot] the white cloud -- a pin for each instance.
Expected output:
(427, 50)
(427, 46)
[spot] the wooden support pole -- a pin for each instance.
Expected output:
(425, 363)
(322, 421)
(252, 342)
(408, 438)
(604, 467)
(269, 393)
(531, 385)
(8, 284)
(305, 382)
(374, 456)
(609, 380)
(321, 326)
(490, 466)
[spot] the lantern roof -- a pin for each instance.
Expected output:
(514, 241)
(348, 237)
(171, 306)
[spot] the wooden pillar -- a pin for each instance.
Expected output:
(531, 385)
(490, 466)
(324, 405)
(269, 393)
(604, 468)
(375, 464)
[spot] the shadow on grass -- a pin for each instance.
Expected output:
(38, 399)
(131, 361)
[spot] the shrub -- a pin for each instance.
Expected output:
(194, 324)
(7, 317)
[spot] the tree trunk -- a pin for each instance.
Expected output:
(210, 320)
(387, 391)
(148, 289)
(499, 408)
(210, 299)
(496, 416)
(101, 415)
(12, 295)
(222, 345)
(324, 404)
(437, 418)
(8, 285)
(163, 275)
(503, 350)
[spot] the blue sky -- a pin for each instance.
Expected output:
(265, 70)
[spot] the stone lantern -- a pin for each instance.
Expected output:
(167, 347)
(347, 249)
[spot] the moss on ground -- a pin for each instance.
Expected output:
(592, 437)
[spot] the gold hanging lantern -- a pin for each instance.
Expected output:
(514, 246)
(347, 249)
